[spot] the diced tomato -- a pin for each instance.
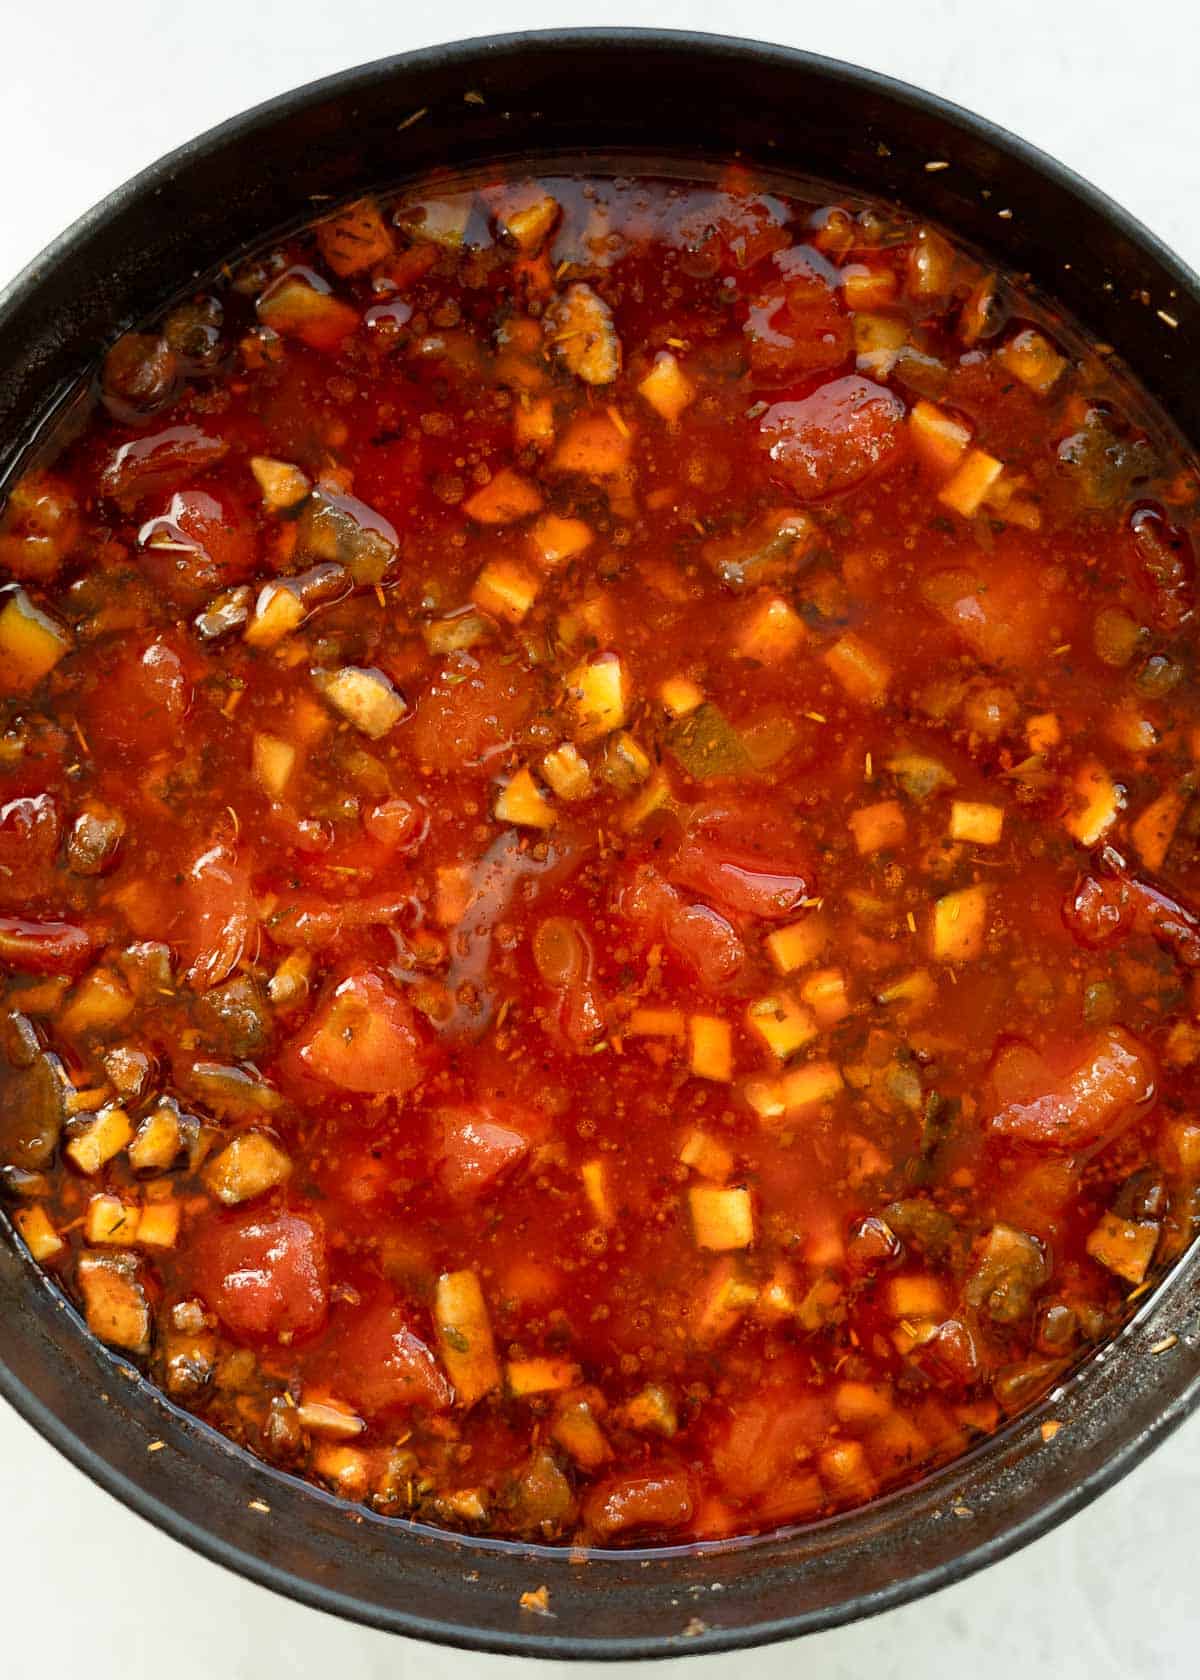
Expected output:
(363, 1039)
(763, 1435)
(43, 947)
(1103, 908)
(29, 834)
(150, 464)
(1111, 1077)
(398, 824)
(797, 326)
(218, 919)
(201, 543)
(144, 698)
(744, 863)
(651, 1501)
(1003, 607)
(840, 435)
(379, 1364)
(469, 714)
(479, 1146)
(264, 1277)
(702, 940)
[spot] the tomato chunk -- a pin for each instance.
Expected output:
(363, 1039)
(842, 434)
(479, 1148)
(1113, 1075)
(265, 1278)
(381, 1365)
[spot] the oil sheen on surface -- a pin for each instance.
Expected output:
(597, 817)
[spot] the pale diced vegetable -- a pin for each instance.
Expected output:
(795, 1093)
(914, 1296)
(99, 1003)
(529, 226)
(288, 985)
(782, 1024)
(937, 437)
(567, 772)
(364, 697)
(109, 1220)
(624, 763)
(31, 644)
(577, 1432)
(652, 1409)
(521, 801)
(771, 632)
(1097, 803)
(722, 1219)
(968, 489)
(710, 1047)
(976, 824)
(556, 539)
(959, 924)
(580, 327)
(878, 828)
(706, 1155)
(726, 1298)
(464, 1334)
(540, 1376)
(158, 1142)
(283, 485)
(861, 670)
(798, 944)
(346, 1469)
(1031, 358)
(114, 1300)
(296, 309)
(38, 1234)
(598, 693)
(825, 994)
(277, 612)
(331, 1419)
(99, 1139)
(506, 590)
(1124, 1246)
(456, 633)
(655, 796)
(667, 388)
(680, 696)
(878, 341)
(248, 1166)
(274, 762)
(867, 288)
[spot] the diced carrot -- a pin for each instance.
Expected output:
(506, 498)
(938, 438)
(959, 924)
(968, 489)
(878, 828)
(464, 1334)
(1154, 829)
(862, 672)
(711, 1054)
(1097, 801)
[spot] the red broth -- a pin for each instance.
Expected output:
(597, 841)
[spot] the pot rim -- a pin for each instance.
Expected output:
(89, 1455)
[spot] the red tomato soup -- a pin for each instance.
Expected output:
(598, 833)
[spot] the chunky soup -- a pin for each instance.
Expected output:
(598, 826)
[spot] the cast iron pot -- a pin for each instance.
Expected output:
(578, 93)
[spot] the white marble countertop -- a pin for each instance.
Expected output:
(91, 92)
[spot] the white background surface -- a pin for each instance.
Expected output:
(92, 91)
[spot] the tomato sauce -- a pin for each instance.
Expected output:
(598, 841)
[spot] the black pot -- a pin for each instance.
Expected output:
(578, 93)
